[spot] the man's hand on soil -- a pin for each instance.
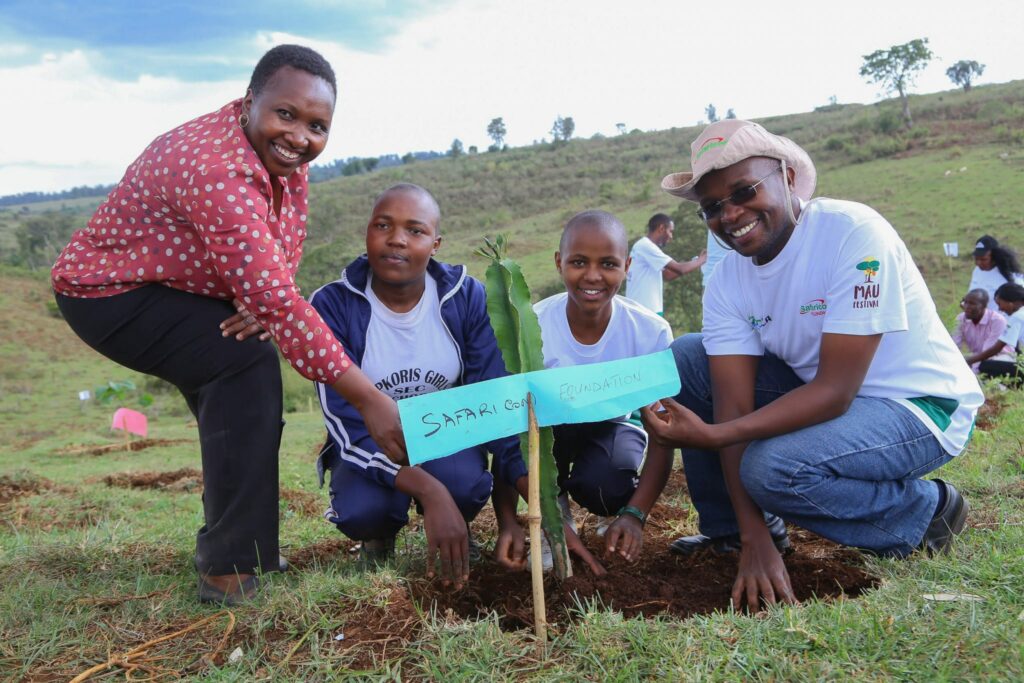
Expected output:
(625, 536)
(761, 576)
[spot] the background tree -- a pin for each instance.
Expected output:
(621, 127)
(730, 114)
(965, 71)
(496, 131)
(711, 113)
(895, 69)
(41, 237)
(456, 149)
(563, 129)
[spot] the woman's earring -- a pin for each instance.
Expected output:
(243, 120)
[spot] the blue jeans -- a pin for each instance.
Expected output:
(854, 479)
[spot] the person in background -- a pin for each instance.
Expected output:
(716, 252)
(185, 271)
(979, 328)
(994, 265)
(1010, 299)
(651, 267)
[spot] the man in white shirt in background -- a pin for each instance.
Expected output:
(650, 266)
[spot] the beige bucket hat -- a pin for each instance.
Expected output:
(727, 142)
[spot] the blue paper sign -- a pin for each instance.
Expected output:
(444, 422)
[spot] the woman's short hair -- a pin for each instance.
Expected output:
(295, 56)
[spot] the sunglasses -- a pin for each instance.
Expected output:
(740, 196)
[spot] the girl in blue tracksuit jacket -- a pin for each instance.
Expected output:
(413, 325)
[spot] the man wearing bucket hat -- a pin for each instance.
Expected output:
(823, 385)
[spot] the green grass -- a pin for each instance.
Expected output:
(75, 541)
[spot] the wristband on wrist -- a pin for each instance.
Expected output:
(633, 512)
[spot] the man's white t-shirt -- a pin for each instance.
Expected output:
(632, 331)
(1013, 335)
(408, 354)
(990, 281)
(846, 271)
(644, 283)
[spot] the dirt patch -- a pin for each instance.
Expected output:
(303, 502)
(988, 413)
(22, 484)
(320, 553)
(133, 446)
(375, 632)
(659, 582)
(185, 479)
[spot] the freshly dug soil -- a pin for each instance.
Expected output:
(136, 445)
(185, 479)
(659, 582)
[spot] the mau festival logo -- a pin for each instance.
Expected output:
(865, 295)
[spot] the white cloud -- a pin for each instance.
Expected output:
(650, 65)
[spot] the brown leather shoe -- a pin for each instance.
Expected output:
(240, 590)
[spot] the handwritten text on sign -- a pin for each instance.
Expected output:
(445, 422)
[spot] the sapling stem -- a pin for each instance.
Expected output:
(540, 625)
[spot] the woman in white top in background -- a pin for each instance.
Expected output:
(994, 265)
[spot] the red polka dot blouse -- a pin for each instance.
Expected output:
(195, 212)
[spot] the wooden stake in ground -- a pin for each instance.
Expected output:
(540, 624)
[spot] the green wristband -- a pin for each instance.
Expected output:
(633, 512)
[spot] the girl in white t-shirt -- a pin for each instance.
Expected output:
(1010, 300)
(599, 463)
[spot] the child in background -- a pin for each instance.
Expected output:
(414, 326)
(598, 462)
(1010, 300)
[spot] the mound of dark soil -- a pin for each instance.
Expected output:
(657, 583)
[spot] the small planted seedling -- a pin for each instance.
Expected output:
(518, 333)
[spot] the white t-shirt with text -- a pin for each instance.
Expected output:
(845, 270)
(408, 354)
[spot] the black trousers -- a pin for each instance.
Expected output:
(1000, 368)
(234, 390)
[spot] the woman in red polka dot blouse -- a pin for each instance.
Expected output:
(188, 267)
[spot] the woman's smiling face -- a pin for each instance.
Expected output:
(289, 119)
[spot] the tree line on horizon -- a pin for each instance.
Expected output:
(893, 69)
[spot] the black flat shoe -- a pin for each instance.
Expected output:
(246, 591)
(688, 545)
(947, 522)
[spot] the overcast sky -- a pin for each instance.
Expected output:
(86, 85)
